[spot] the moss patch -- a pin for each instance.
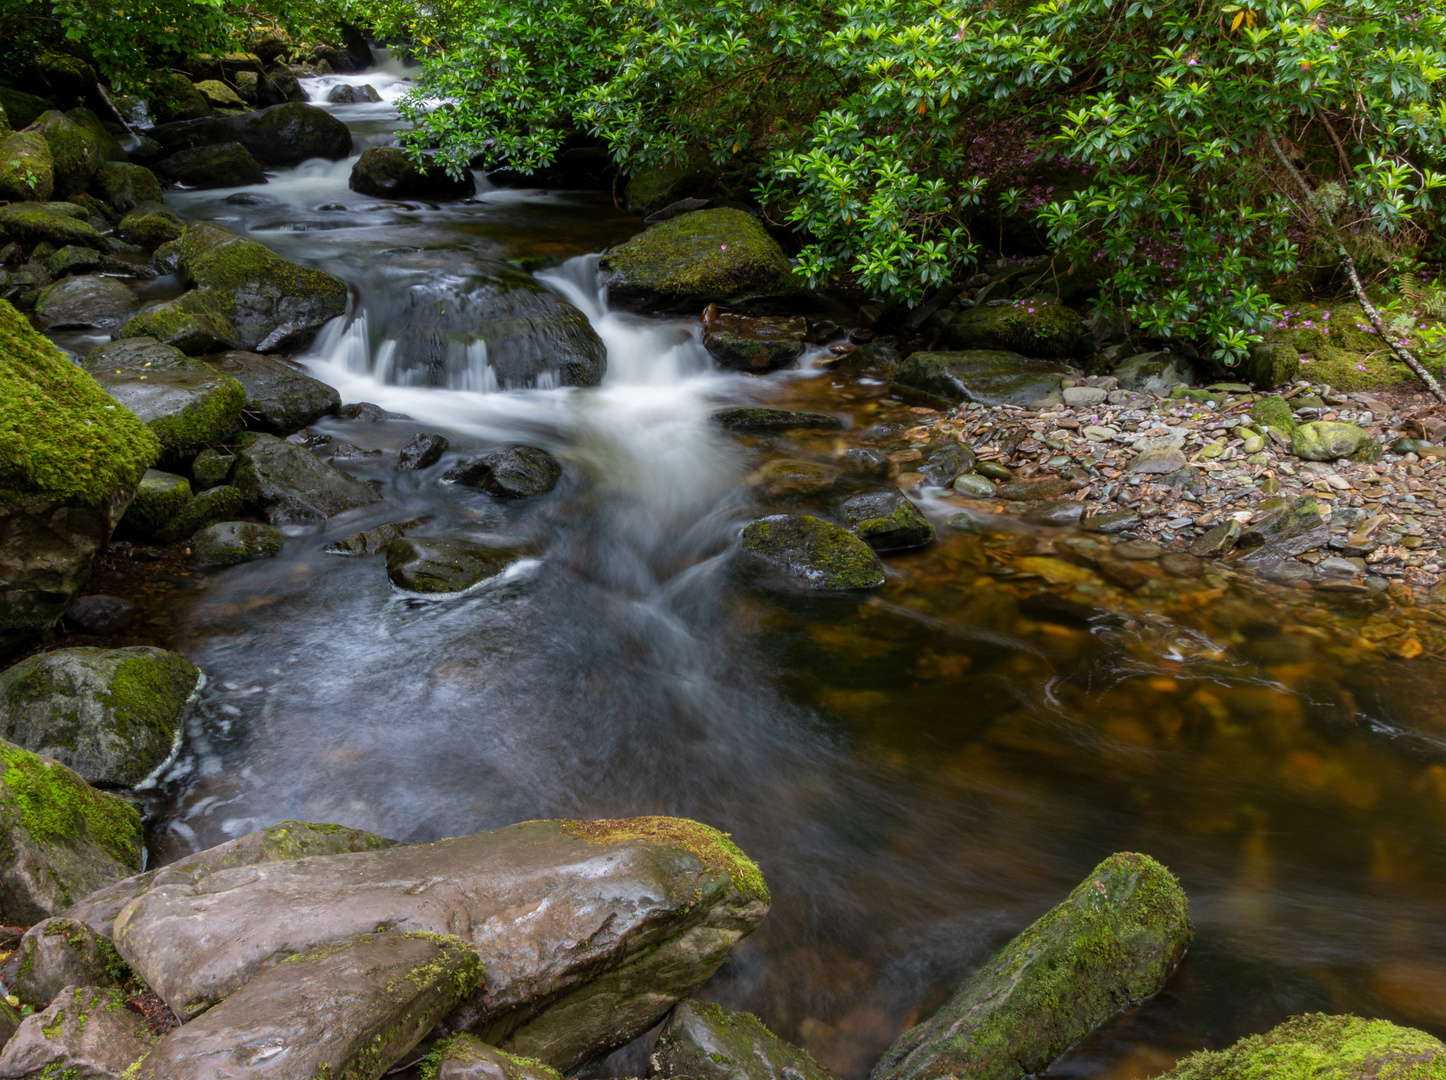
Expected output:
(1273, 412)
(1034, 328)
(1320, 1047)
(58, 807)
(712, 848)
(60, 433)
(817, 553)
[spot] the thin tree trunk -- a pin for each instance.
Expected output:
(1348, 264)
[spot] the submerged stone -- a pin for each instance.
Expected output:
(439, 565)
(230, 543)
(762, 419)
(703, 1041)
(1323, 1047)
(990, 377)
(292, 486)
(513, 472)
(812, 552)
(888, 521)
(371, 541)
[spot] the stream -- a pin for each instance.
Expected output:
(919, 772)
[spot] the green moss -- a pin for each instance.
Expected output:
(465, 1049)
(26, 169)
(214, 258)
(714, 849)
(60, 433)
(210, 507)
(1320, 1047)
(192, 323)
(58, 807)
(22, 109)
(816, 551)
(1274, 412)
(159, 498)
(151, 224)
(146, 696)
(1034, 328)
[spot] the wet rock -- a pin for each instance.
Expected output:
(871, 360)
(1109, 521)
(62, 838)
(221, 165)
(75, 152)
(347, 451)
(1114, 941)
(209, 507)
(349, 1008)
(56, 953)
(86, 1032)
(125, 186)
(364, 411)
(1323, 1046)
(280, 136)
(640, 912)
(1181, 564)
(230, 543)
(1326, 440)
(101, 615)
(1159, 460)
(887, 521)
(1062, 512)
(1153, 372)
(345, 94)
(762, 419)
(211, 468)
(27, 173)
(947, 379)
(813, 553)
(84, 303)
(73, 260)
(160, 496)
(192, 323)
(713, 256)
(423, 450)
(151, 224)
(109, 714)
(788, 478)
(995, 470)
(652, 189)
(279, 398)
(514, 472)
(439, 565)
(1032, 328)
(974, 486)
(186, 402)
(1050, 487)
(292, 487)
(1082, 397)
(274, 304)
(465, 1057)
(705, 1042)
(1217, 540)
(755, 344)
(867, 461)
(53, 223)
(388, 173)
(942, 466)
(372, 541)
(278, 87)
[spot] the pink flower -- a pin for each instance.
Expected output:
(724, 247)
(1360, 367)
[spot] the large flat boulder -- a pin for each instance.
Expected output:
(69, 465)
(282, 135)
(346, 1009)
(990, 377)
(55, 223)
(1114, 941)
(590, 931)
(89, 302)
(294, 487)
(1032, 327)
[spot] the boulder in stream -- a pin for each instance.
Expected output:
(159, 498)
(466, 1057)
(220, 165)
(84, 303)
(75, 151)
(513, 472)
(388, 173)
(86, 1032)
(112, 715)
(442, 565)
(230, 543)
(702, 1041)
(888, 521)
(764, 419)
(206, 508)
(590, 930)
(192, 323)
(125, 186)
(991, 377)
(56, 953)
(292, 486)
(753, 344)
(55, 223)
(151, 224)
(1114, 941)
(280, 398)
(814, 553)
(26, 170)
(281, 135)
(423, 450)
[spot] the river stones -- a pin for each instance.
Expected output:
(607, 923)
(1033, 328)
(755, 344)
(440, 565)
(423, 450)
(465, 1057)
(349, 1008)
(282, 135)
(209, 507)
(56, 953)
(160, 496)
(125, 186)
(1114, 941)
(1328, 440)
(60, 839)
(1328, 1047)
(514, 472)
(85, 1032)
(26, 170)
(762, 419)
(279, 398)
(110, 714)
(811, 552)
(974, 486)
(186, 402)
(888, 521)
(101, 615)
(193, 323)
(230, 543)
(88, 302)
(346, 94)
(1157, 461)
(388, 173)
(990, 377)
(282, 842)
(372, 541)
(55, 223)
(292, 487)
(705, 1042)
(719, 256)
(942, 466)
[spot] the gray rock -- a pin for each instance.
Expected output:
(1061, 512)
(762, 419)
(514, 472)
(125, 186)
(101, 615)
(109, 714)
(84, 303)
(1110, 521)
(87, 1033)
(813, 553)
(193, 323)
(974, 486)
(440, 565)
(423, 450)
(372, 541)
(209, 507)
(1161, 459)
(53, 223)
(292, 487)
(867, 461)
(1153, 372)
(348, 1008)
(346, 94)
(991, 377)
(606, 924)
(702, 1041)
(754, 344)
(151, 224)
(1217, 540)
(56, 953)
(388, 173)
(1082, 397)
(465, 1057)
(887, 521)
(943, 465)
(160, 496)
(282, 135)
(230, 543)
(211, 468)
(71, 260)
(279, 398)
(219, 165)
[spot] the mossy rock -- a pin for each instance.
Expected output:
(173, 97)
(56, 953)
(813, 553)
(1114, 941)
(703, 1041)
(751, 419)
(466, 1057)
(159, 498)
(111, 151)
(75, 152)
(1271, 365)
(440, 565)
(63, 76)
(89, 302)
(186, 402)
(210, 507)
(60, 839)
(888, 521)
(282, 135)
(73, 259)
(23, 109)
(27, 173)
(151, 224)
(1326, 440)
(222, 165)
(1040, 328)
(218, 95)
(290, 486)
(651, 189)
(230, 543)
(1273, 412)
(53, 223)
(988, 376)
(389, 173)
(212, 468)
(1321, 1047)
(191, 323)
(712, 256)
(110, 714)
(279, 398)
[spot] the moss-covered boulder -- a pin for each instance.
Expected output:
(230, 543)
(110, 714)
(75, 152)
(887, 521)
(753, 344)
(62, 76)
(1271, 364)
(712, 256)
(159, 498)
(70, 459)
(513, 472)
(990, 377)
(702, 1041)
(85, 1032)
(292, 486)
(56, 953)
(53, 223)
(812, 552)
(274, 304)
(1329, 440)
(651, 189)
(60, 839)
(210, 507)
(174, 98)
(1321, 1047)
(86, 302)
(27, 173)
(279, 397)
(186, 402)
(23, 109)
(1114, 941)
(220, 96)
(763, 419)
(191, 323)
(72, 259)
(1042, 328)
(151, 224)
(111, 149)
(388, 173)
(222, 165)
(1273, 412)
(466, 1057)
(281, 136)
(442, 565)
(125, 186)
